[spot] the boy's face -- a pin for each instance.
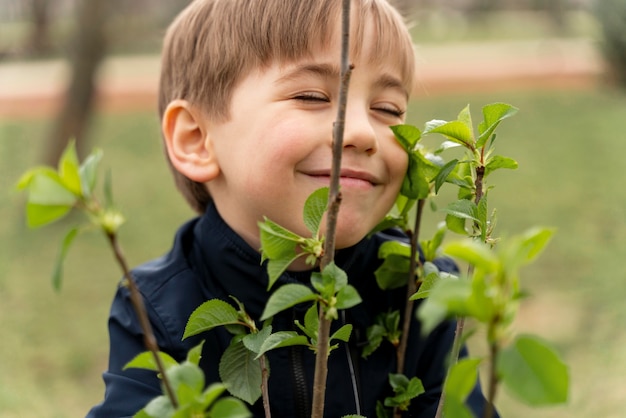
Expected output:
(275, 149)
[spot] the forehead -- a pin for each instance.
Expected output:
(378, 38)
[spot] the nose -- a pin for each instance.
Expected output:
(359, 134)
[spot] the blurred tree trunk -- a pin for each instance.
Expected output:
(612, 16)
(556, 11)
(87, 50)
(38, 42)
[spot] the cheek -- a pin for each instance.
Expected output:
(397, 161)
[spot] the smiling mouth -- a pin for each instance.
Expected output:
(348, 178)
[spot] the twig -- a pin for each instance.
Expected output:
(410, 291)
(334, 200)
(460, 323)
(140, 310)
(264, 387)
(493, 381)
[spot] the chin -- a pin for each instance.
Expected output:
(346, 238)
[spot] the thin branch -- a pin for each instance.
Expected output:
(334, 194)
(264, 387)
(411, 288)
(410, 291)
(334, 200)
(493, 381)
(140, 310)
(460, 323)
(454, 357)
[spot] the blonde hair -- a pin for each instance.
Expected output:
(213, 44)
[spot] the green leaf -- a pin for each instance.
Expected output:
(497, 162)
(195, 354)
(281, 339)
(533, 372)
(240, 372)
(39, 215)
(347, 297)
(404, 389)
(254, 341)
(159, 407)
(474, 252)
(57, 275)
(342, 334)
(335, 274)
(381, 411)
(375, 335)
(462, 379)
(145, 360)
(446, 145)
(26, 179)
(532, 243)
(276, 241)
(388, 248)
(210, 394)
(464, 209)
(431, 247)
(231, 408)
(329, 281)
(47, 189)
(393, 272)
(88, 172)
(311, 322)
(444, 173)
(456, 224)
(493, 114)
(186, 379)
(69, 169)
(277, 266)
(466, 117)
(314, 209)
(285, 297)
(447, 298)
(414, 184)
(456, 131)
(456, 409)
(426, 287)
(407, 135)
(212, 313)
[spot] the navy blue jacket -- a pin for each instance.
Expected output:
(209, 260)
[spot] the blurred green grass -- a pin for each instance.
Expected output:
(570, 147)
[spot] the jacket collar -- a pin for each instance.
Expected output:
(230, 267)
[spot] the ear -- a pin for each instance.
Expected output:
(188, 145)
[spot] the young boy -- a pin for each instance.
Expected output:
(248, 97)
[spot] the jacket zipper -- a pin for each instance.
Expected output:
(300, 389)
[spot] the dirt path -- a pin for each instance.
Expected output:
(129, 83)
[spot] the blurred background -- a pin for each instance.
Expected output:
(89, 69)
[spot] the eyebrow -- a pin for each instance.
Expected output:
(330, 71)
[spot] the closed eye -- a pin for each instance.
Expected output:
(311, 97)
(390, 110)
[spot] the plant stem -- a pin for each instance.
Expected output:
(493, 381)
(460, 323)
(321, 367)
(410, 291)
(334, 200)
(411, 288)
(454, 357)
(334, 194)
(264, 387)
(140, 310)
